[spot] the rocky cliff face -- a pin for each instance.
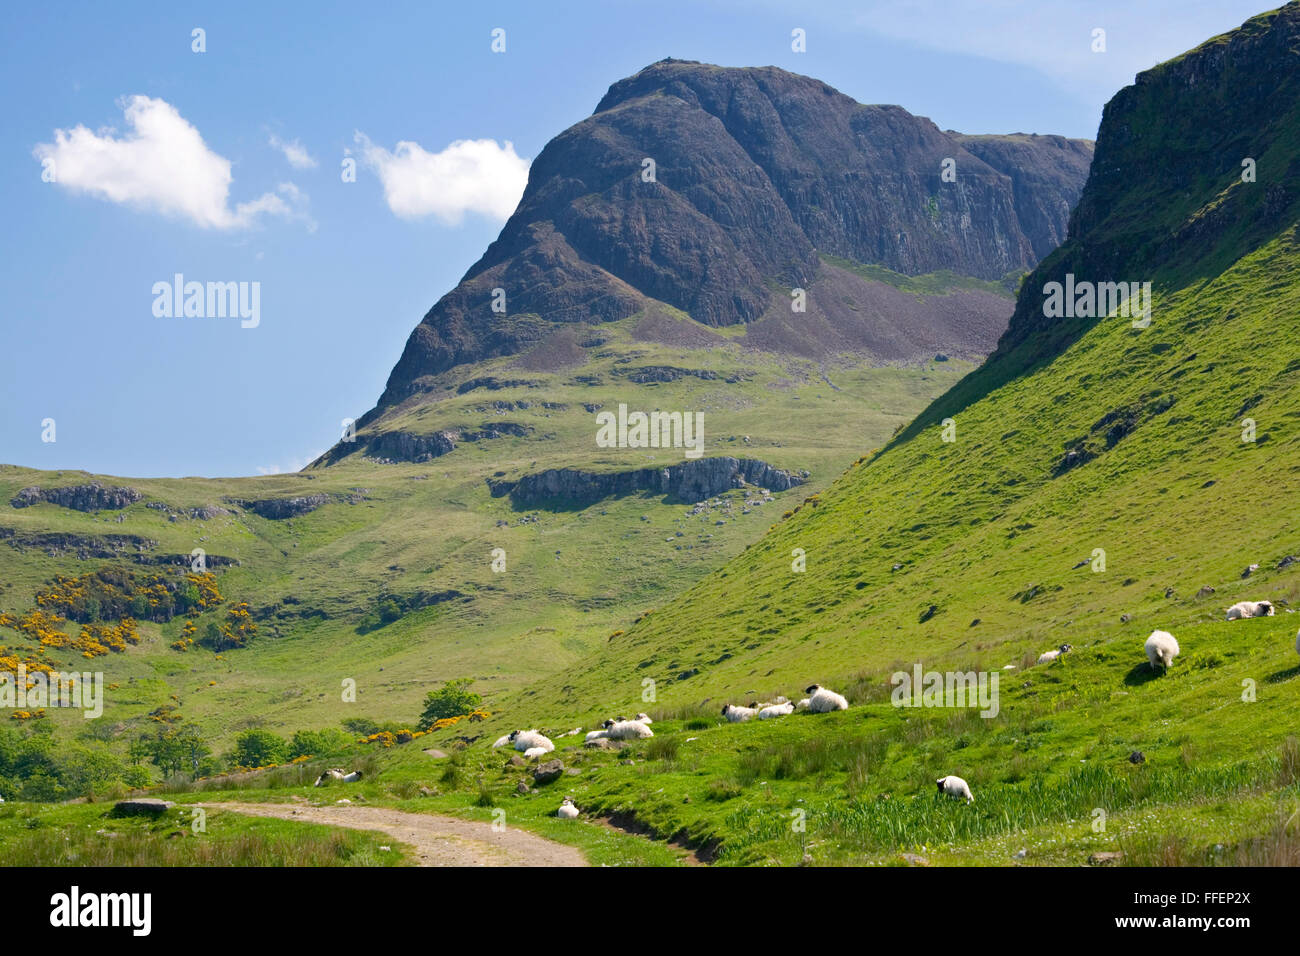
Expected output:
(91, 497)
(1166, 201)
(702, 186)
(689, 481)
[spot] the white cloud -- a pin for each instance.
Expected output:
(293, 465)
(294, 152)
(161, 165)
(470, 175)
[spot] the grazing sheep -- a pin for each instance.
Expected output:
(737, 715)
(776, 710)
(1245, 609)
(803, 704)
(528, 739)
(567, 810)
(1161, 648)
(1048, 656)
(823, 701)
(955, 787)
(626, 730)
(536, 752)
(643, 719)
(503, 741)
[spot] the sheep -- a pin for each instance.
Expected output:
(776, 710)
(527, 739)
(333, 774)
(822, 701)
(1297, 642)
(955, 787)
(1048, 656)
(803, 704)
(626, 730)
(1161, 648)
(595, 735)
(536, 752)
(567, 810)
(1245, 609)
(737, 715)
(503, 741)
(643, 719)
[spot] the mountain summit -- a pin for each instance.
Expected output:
(716, 191)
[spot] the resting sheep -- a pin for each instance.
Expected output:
(1245, 609)
(955, 787)
(738, 715)
(1048, 656)
(803, 704)
(503, 741)
(823, 701)
(329, 776)
(775, 710)
(1161, 648)
(567, 810)
(627, 730)
(643, 719)
(535, 752)
(528, 739)
(595, 735)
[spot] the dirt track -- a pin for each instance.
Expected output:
(437, 840)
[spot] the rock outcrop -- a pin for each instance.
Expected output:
(91, 497)
(689, 481)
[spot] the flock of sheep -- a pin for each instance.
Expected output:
(1161, 648)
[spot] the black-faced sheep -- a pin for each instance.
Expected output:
(823, 701)
(1245, 609)
(955, 787)
(738, 715)
(1048, 656)
(627, 730)
(525, 740)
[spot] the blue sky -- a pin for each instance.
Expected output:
(225, 165)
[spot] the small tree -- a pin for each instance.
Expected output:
(452, 699)
(258, 748)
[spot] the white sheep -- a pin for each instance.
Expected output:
(595, 735)
(567, 810)
(1245, 609)
(333, 774)
(627, 730)
(955, 787)
(776, 710)
(1161, 648)
(803, 704)
(1048, 656)
(738, 715)
(504, 741)
(535, 752)
(823, 701)
(1297, 642)
(528, 739)
(643, 719)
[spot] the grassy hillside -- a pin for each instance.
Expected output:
(423, 535)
